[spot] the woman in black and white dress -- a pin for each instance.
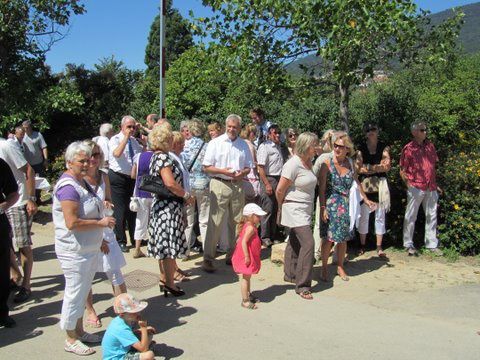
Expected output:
(166, 226)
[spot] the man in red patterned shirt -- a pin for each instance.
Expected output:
(417, 169)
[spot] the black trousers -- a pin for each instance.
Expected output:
(268, 225)
(122, 187)
(5, 246)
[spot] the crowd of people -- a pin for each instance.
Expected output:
(205, 190)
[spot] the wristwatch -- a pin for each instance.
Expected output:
(32, 198)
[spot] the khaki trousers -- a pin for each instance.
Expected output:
(226, 204)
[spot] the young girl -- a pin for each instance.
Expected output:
(246, 257)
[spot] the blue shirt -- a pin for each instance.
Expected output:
(118, 340)
(198, 179)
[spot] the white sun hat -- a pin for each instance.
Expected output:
(252, 208)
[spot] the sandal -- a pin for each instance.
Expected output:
(306, 294)
(247, 304)
(344, 277)
(253, 299)
(90, 338)
(381, 254)
(78, 348)
(361, 251)
(93, 323)
(179, 277)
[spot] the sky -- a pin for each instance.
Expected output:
(121, 27)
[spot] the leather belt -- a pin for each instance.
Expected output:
(232, 181)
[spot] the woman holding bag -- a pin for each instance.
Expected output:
(167, 226)
(373, 161)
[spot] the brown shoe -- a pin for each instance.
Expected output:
(138, 254)
(208, 266)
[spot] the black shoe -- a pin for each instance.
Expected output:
(13, 286)
(7, 322)
(124, 248)
(22, 295)
(228, 261)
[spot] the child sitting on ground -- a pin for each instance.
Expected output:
(246, 257)
(119, 341)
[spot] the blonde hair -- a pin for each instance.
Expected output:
(327, 140)
(160, 138)
(215, 126)
(304, 141)
(341, 135)
(196, 127)
(177, 138)
(247, 130)
(243, 220)
(92, 144)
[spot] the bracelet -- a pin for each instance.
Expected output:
(186, 195)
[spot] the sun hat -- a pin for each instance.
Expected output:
(126, 303)
(252, 208)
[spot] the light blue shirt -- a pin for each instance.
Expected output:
(198, 179)
(118, 340)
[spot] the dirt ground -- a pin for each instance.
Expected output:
(401, 309)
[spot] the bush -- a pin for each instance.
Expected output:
(459, 227)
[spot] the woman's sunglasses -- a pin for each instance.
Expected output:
(337, 146)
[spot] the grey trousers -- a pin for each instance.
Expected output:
(299, 259)
(268, 226)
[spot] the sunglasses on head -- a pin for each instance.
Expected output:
(337, 146)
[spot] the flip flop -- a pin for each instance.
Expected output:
(381, 254)
(306, 294)
(93, 323)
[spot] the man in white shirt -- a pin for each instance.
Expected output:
(21, 213)
(227, 160)
(17, 138)
(270, 160)
(106, 132)
(123, 147)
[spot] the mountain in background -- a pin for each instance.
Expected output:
(468, 40)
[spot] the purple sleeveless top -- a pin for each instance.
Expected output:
(143, 169)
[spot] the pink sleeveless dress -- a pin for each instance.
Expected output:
(254, 247)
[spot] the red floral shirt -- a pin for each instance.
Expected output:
(418, 163)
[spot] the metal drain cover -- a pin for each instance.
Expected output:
(140, 280)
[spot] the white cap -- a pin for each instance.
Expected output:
(252, 208)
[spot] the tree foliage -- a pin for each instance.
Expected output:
(178, 39)
(352, 37)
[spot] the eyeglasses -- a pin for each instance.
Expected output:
(341, 147)
(292, 135)
(82, 162)
(422, 130)
(130, 126)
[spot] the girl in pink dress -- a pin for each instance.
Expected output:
(246, 257)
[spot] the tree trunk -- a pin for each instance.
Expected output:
(344, 99)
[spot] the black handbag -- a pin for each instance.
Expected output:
(154, 185)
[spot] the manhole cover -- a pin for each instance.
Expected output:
(140, 280)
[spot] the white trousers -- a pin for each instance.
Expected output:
(141, 221)
(428, 199)
(79, 271)
(202, 202)
(316, 231)
(365, 217)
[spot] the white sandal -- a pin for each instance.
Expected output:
(78, 348)
(90, 338)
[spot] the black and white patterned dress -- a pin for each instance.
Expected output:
(166, 226)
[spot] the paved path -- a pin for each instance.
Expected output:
(407, 309)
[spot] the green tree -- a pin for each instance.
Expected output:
(352, 37)
(178, 39)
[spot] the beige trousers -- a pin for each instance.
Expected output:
(226, 204)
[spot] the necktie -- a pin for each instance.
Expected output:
(259, 136)
(130, 149)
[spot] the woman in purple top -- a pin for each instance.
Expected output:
(144, 200)
(78, 218)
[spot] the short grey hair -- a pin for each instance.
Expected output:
(233, 117)
(76, 148)
(184, 123)
(27, 123)
(126, 118)
(105, 129)
(196, 127)
(304, 141)
(416, 124)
